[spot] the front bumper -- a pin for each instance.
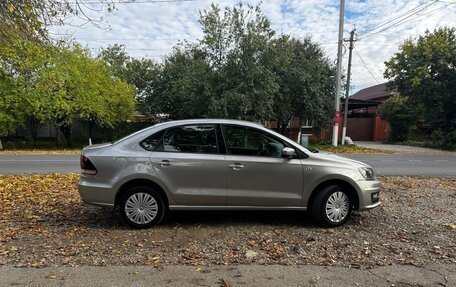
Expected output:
(366, 189)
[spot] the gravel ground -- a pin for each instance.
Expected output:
(43, 223)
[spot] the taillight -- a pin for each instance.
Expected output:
(87, 166)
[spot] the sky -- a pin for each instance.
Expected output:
(150, 28)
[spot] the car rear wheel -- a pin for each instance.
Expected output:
(142, 207)
(332, 206)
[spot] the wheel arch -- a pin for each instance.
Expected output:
(141, 182)
(352, 192)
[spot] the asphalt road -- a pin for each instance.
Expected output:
(38, 163)
(390, 164)
(421, 165)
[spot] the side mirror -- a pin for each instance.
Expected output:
(288, 152)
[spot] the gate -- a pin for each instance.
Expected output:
(360, 129)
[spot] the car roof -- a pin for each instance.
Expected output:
(210, 121)
(168, 124)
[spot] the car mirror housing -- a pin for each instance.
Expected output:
(288, 152)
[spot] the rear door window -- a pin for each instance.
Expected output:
(190, 139)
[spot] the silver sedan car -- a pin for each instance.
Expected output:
(221, 165)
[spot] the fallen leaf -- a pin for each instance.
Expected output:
(224, 283)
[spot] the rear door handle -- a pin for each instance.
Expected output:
(165, 162)
(236, 166)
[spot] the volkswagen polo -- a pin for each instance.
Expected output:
(221, 165)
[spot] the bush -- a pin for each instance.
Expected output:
(401, 115)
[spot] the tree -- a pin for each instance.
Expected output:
(236, 45)
(84, 88)
(30, 19)
(226, 74)
(306, 79)
(21, 66)
(8, 104)
(424, 72)
(142, 73)
(117, 58)
(184, 87)
(400, 115)
(240, 69)
(62, 84)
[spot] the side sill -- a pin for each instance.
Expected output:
(215, 207)
(100, 204)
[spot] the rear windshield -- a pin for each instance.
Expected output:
(135, 133)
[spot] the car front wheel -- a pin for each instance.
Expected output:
(332, 206)
(142, 207)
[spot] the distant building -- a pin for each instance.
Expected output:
(368, 100)
(363, 122)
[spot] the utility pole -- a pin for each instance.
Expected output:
(347, 88)
(338, 76)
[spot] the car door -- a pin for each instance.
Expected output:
(258, 175)
(189, 162)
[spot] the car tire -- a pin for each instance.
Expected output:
(142, 207)
(332, 206)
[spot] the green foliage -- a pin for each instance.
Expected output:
(423, 70)
(240, 70)
(21, 63)
(30, 19)
(401, 115)
(306, 80)
(44, 83)
(143, 74)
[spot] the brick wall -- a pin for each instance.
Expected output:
(381, 129)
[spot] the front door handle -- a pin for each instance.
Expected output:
(165, 162)
(236, 166)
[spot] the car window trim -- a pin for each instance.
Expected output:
(221, 137)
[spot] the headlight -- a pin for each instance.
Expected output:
(368, 173)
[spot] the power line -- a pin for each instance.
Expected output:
(132, 39)
(135, 2)
(432, 11)
(398, 22)
(393, 19)
(367, 68)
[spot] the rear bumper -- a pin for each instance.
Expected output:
(366, 189)
(96, 194)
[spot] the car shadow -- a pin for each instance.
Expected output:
(96, 217)
(102, 218)
(244, 217)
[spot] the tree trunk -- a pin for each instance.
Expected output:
(34, 126)
(66, 130)
(56, 134)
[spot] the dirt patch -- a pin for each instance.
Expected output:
(44, 223)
